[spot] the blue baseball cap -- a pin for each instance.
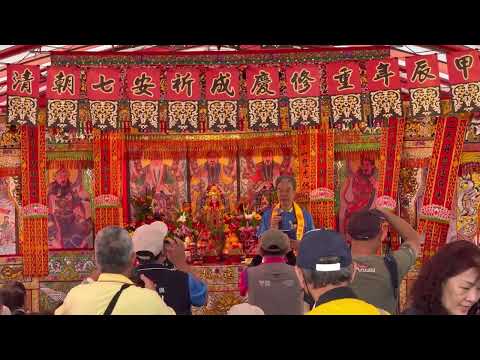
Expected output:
(321, 243)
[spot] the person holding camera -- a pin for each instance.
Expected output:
(176, 284)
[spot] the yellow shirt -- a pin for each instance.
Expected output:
(93, 299)
(347, 307)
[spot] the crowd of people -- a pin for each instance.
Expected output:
(298, 270)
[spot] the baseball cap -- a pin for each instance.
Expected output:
(321, 243)
(365, 224)
(150, 237)
(274, 240)
(245, 309)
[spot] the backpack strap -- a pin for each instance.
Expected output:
(392, 268)
(114, 300)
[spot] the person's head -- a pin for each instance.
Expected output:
(286, 187)
(212, 158)
(12, 295)
(449, 283)
(245, 309)
(114, 251)
(324, 262)
(267, 156)
(367, 228)
(367, 167)
(274, 243)
(61, 177)
(148, 241)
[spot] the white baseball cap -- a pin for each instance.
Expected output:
(245, 309)
(150, 237)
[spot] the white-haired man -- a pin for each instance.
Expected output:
(178, 287)
(114, 293)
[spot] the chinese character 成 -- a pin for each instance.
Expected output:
(383, 73)
(464, 64)
(261, 84)
(301, 82)
(23, 82)
(105, 85)
(343, 78)
(182, 83)
(143, 84)
(221, 84)
(64, 83)
(422, 71)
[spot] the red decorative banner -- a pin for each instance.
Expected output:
(34, 242)
(63, 92)
(103, 84)
(63, 83)
(423, 81)
(23, 84)
(383, 74)
(464, 77)
(23, 80)
(343, 78)
(263, 82)
(222, 84)
(422, 71)
(143, 83)
(389, 168)
(183, 84)
(303, 81)
(441, 182)
(103, 91)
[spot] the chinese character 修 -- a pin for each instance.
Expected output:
(301, 82)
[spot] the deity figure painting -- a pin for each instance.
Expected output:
(162, 179)
(8, 217)
(70, 224)
(358, 190)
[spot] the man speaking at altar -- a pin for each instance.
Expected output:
(287, 215)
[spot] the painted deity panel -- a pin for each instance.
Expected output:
(8, 216)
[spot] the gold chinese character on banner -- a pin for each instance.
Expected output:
(301, 82)
(182, 83)
(422, 71)
(143, 84)
(383, 73)
(22, 82)
(64, 83)
(262, 83)
(343, 78)
(221, 84)
(104, 85)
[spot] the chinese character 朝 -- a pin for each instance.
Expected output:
(64, 83)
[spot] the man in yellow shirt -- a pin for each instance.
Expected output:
(113, 292)
(325, 270)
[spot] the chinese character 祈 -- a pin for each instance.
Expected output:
(464, 64)
(143, 84)
(262, 83)
(343, 77)
(221, 84)
(422, 71)
(64, 83)
(301, 82)
(181, 82)
(383, 73)
(23, 82)
(104, 84)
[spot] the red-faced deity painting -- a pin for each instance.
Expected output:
(8, 217)
(70, 224)
(356, 188)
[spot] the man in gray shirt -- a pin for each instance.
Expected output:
(373, 281)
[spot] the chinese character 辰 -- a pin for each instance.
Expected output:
(143, 84)
(221, 84)
(422, 71)
(343, 77)
(23, 82)
(104, 84)
(64, 83)
(463, 64)
(182, 82)
(301, 82)
(261, 84)
(383, 73)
